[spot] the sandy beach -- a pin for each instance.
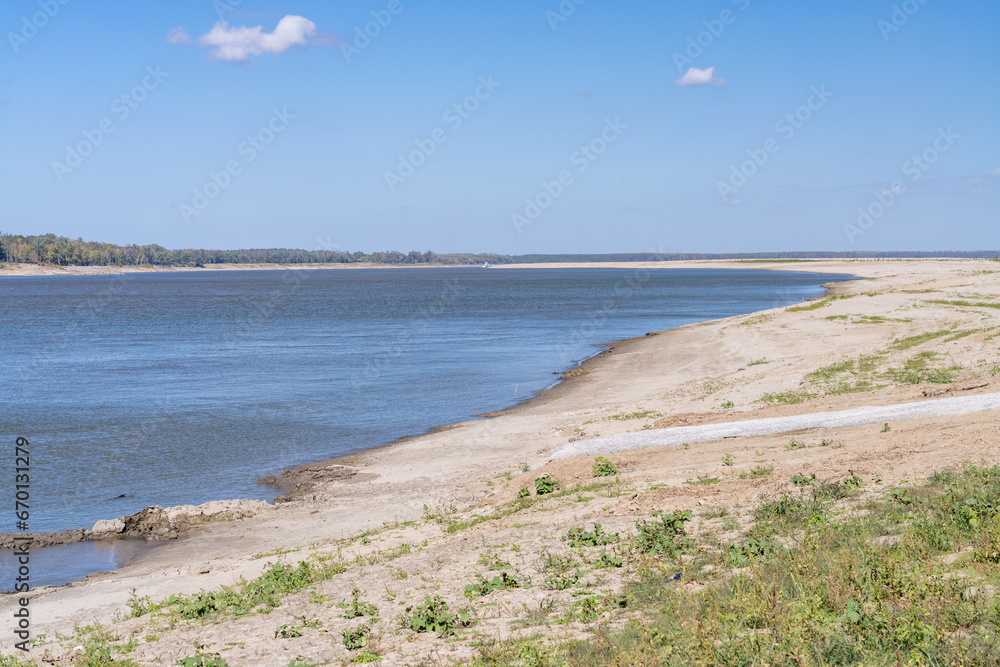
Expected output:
(910, 330)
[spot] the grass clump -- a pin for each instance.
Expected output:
(757, 472)
(259, 595)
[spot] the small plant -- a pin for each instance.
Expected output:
(703, 481)
(560, 581)
(546, 484)
(728, 460)
(607, 560)
(138, 606)
(758, 472)
(802, 480)
(316, 598)
(664, 536)
(434, 616)
(604, 467)
(287, 631)
(580, 537)
(727, 405)
(501, 582)
(202, 660)
(357, 638)
(685, 445)
(795, 444)
(853, 482)
(357, 607)
(523, 493)
(886, 428)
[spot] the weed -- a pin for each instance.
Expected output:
(727, 460)
(758, 472)
(802, 480)
(501, 582)
(434, 616)
(726, 405)
(604, 467)
(357, 608)
(546, 484)
(793, 445)
(886, 428)
(357, 638)
(203, 660)
(580, 537)
(664, 535)
(703, 481)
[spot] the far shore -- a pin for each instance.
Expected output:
(787, 264)
(926, 328)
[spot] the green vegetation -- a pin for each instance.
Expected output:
(604, 467)
(546, 484)
(484, 586)
(965, 304)
(665, 535)
(728, 460)
(580, 537)
(788, 397)
(812, 306)
(835, 595)
(758, 472)
(434, 616)
(203, 660)
(62, 251)
(919, 339)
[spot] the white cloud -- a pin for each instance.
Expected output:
(237, 44)
(178, 36)
(699, 77)
(995, 172)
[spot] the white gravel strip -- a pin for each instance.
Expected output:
(713, 432)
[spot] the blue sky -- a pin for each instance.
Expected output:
(580, 138)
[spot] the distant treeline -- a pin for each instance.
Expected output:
(62, 251)
(812, 254)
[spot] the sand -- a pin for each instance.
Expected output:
(747, 367)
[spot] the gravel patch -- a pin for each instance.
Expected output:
(713, 432)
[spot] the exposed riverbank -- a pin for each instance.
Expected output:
(903, 332)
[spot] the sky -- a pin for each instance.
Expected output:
(580, 126)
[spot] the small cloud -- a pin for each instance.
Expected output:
(700, 77)
(237, 44)
(178, 36)
(995, 172)
(588, 94)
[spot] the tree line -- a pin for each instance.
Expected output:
(63, 251)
